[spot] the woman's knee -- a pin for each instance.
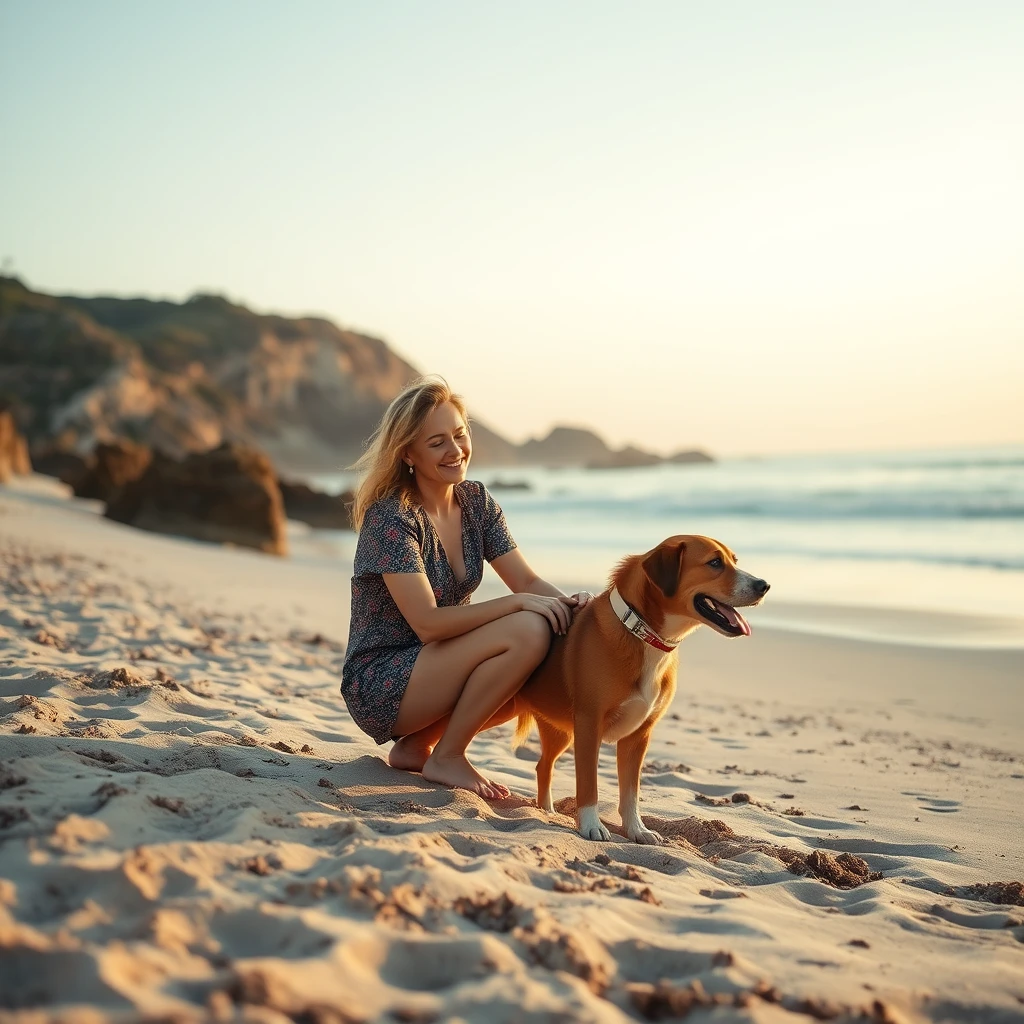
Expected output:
(532, 635)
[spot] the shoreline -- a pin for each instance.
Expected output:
(328, 554)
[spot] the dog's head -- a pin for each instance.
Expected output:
(697, 578)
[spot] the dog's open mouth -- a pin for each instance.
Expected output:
(722, 616)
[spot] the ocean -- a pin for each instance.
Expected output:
(846, 541)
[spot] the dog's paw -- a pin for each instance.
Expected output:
(644, 835)
(591, 826)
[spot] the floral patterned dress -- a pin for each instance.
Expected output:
(382, 646)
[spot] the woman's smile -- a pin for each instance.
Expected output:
(442, 451)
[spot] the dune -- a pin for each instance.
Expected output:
(192, 828)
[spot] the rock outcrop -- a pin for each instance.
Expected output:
(626, 458)
(67, 466)
(185, 377)
(227, 495)
(110, 467)
(577, 447)
(14, 460)
(564, 446)
(685, 457)
(319, 510)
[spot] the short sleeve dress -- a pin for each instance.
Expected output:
(382, 646)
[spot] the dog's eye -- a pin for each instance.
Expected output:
(715, 563)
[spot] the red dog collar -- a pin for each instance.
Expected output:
(636, 625)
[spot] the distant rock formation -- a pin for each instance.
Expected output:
(319, 510)
(626, 458)
(111, 467)
(631, 458)
(564, 446)
(685, 457)
(14, 460)
(578, 447)
(185, 377)
(228, 495)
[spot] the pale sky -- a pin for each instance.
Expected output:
(752, 227)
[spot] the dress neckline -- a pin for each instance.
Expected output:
(462, 537)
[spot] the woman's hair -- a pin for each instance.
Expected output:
(382, 462)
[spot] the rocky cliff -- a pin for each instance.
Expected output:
(186, 377)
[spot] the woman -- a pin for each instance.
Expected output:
(424, 666)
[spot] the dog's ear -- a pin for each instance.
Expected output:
(663, 566)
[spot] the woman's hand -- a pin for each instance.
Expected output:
(557, 610)
(582, 599)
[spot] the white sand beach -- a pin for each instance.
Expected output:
(192, 828)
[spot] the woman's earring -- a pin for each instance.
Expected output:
(410, 471)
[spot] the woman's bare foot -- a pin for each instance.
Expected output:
(409, 754)
(455, 770)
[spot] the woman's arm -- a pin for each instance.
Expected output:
(511, 565)
(517, 575)
(415, 599)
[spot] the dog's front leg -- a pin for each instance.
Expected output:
(630, 754)
(588, 748)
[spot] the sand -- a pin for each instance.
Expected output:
(191, 827)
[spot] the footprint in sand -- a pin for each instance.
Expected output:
(728, 742)
(936, 804)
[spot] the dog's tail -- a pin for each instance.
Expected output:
(523, 727)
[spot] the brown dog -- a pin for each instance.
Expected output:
(614, 674)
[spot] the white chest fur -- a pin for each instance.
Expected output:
(637, 707)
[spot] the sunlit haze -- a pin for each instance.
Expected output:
(747, 227)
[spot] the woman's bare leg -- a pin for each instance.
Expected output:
(410, 752)
(468, 679)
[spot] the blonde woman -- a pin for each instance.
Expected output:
(424, 666)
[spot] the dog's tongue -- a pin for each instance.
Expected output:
(734, 617)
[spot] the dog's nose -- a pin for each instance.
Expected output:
(762, 587)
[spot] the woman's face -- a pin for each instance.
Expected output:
(442, 449)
